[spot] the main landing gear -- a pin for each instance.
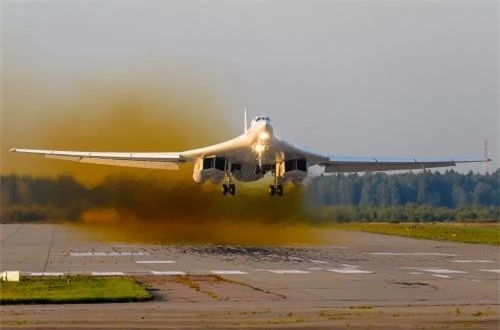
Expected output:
(276, 190)
(229, 189)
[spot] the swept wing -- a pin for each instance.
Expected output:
(367, 164)
(158, 160)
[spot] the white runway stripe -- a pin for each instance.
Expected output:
(318, 261)
(490, 270)
(441, 276)
(349, 271)
(47, 274)
(472, 261)
(108, 273)
(349, 266)
(155, 262)
(412, 254)
(228, 272)
(107, 254)
(168, 272)
(288, 271)
(443, 271)
(295, 258)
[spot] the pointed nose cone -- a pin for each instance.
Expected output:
(265, 127)
(265, 132)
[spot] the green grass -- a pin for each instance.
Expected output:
(456, 232)
(81, 289)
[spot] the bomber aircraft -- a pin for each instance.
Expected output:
(248, 157)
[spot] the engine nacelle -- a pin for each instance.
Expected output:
(212, 168)
(294, 170)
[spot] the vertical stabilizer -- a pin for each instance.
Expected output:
(246, 126)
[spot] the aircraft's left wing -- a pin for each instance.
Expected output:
(368, 164)
(157, 160)
(338, 163)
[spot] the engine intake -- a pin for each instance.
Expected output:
(295, 164)
(294, 170)
(213, 168)
(217, 163)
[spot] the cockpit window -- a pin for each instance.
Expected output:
(260, 118)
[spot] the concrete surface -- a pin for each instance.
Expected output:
(365, 280)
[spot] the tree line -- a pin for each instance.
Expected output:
(424, 196)
(449, 189)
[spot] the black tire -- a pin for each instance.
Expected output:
(225, 189)
(279, 190)
(272, 190)
(232, 189)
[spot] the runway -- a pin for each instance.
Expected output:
(361, 275)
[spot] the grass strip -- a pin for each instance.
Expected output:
(79, 289)
(456, 232)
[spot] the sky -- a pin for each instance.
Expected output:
(407, 78)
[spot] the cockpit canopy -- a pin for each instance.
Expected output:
(258, 119)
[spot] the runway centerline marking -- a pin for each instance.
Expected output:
(228, 272)
(349, 266)
(168, 272)
(437, 254)
(107, 273)
(441, 276)
(318, 261)
(438, 270)
(490, 270)
(472, 261)
(47, 274)
(287, 271)
(349, 271)
(155, 262)
(107, 254)
(295, 258)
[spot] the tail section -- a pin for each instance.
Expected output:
(246, 125)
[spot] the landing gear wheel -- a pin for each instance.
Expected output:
(279, 190)
(232, 189)
(272, 190)
(225, 189)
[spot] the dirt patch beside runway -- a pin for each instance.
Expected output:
(203, 288)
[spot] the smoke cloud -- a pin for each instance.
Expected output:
(141, 204)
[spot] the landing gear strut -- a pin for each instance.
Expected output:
(229, 189)
(276, 190)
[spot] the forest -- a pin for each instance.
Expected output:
(423, 196)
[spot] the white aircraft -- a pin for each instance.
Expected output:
(249, 157)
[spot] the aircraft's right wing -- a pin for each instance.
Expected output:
(367, 164)
(157, 160)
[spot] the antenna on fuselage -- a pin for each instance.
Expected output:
(246, 126)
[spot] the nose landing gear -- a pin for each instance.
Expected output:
(229, 189)
(276, 190)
